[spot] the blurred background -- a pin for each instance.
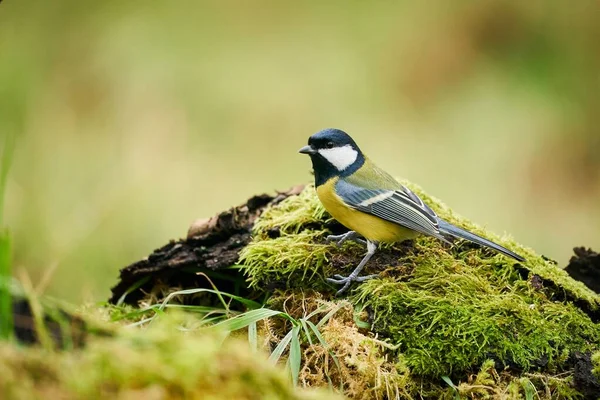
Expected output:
(135, 118)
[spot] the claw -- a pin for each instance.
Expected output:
(340, 239)
(353, 277)
(336, 239)
(365, 278)
(347, 280)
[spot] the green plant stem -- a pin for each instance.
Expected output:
(5, 162)
(6, 317)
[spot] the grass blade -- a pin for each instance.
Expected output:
(452, 385)
(276, 354)
(5, 162)
(449, 382)
(331, 313)
(205, 310)
(248, 303)
(6, 316)
(132, 288)
(306, 331)
(253, 336)
(325, 345)
(295, 357)
(141, 322)
(528, 388)
(6, 313)
(359, 322)
(245, 319)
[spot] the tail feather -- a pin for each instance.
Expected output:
(452, 230)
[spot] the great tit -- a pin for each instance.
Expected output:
(371, 203)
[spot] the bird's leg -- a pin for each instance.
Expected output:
(340, 239)
(353, 277)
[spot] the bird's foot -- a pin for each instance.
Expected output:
(340, 239)
(347, 280)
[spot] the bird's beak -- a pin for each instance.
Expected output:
(307, 150)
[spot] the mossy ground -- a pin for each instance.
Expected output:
(439, 322)
(448, 311)
(156, 363)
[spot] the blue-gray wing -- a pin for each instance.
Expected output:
(401, 206)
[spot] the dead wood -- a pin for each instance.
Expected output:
(212, 244)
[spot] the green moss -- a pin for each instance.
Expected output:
(443, 330)
(302, 262)
(461, 313)
(448, 309)
(292, 214)
(298, 221)
(534, 263)
(160, 362)
(491, 383)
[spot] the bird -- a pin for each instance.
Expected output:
(373, 204)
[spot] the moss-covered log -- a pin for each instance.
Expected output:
(211, 244)
(462, 313)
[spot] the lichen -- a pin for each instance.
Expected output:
(448, 309)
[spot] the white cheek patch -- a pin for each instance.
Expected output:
(340, 157)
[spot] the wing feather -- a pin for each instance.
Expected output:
(401, 206)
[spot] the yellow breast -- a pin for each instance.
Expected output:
(369, 226)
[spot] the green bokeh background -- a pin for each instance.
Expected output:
(135, 118)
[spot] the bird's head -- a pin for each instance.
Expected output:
(333, 153)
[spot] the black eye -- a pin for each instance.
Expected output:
(329, 145)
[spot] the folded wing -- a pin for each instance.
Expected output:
(404, 207)
(401, 206)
